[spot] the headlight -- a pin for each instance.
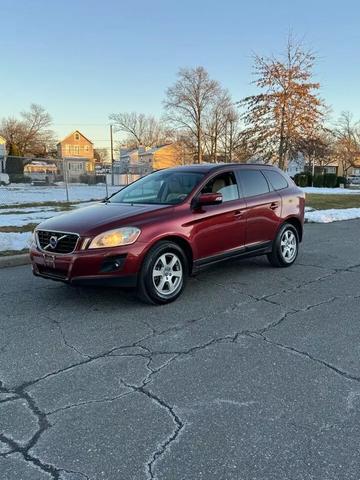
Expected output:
(116, 238)
(32, 239)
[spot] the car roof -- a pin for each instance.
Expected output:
(210, 167)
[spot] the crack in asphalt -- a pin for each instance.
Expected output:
(304, 354)
(43, 425)
(291, 312)
(58, 324)
(19, 392)
(87, 402)
(165, 445)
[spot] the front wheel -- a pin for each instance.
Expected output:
(163, 273)
(285, 247)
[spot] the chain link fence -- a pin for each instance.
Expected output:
(40, 181)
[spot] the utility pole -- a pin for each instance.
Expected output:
(112, 155)
(65, 167)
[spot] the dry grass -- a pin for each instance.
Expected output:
(323, 202)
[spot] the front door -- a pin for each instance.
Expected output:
(219, 229)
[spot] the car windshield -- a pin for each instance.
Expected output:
(163, 187)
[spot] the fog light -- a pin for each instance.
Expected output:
(111, 264)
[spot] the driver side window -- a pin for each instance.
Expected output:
(224, 183)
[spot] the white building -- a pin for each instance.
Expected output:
(73, 168)
(2, 154)
(296, 165)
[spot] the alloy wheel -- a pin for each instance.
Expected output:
(288, 245)
(167, 274)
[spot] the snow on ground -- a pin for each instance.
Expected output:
(17, 217)
(15, 209)
(24, 193)
(331, 191)
(14, 241)
(332, 215)
(20, 219)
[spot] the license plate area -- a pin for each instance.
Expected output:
(49, 260)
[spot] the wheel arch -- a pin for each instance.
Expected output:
(181, 242)
(295, 222)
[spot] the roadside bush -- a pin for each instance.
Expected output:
(303, 179)
(89, 179)
(327, 180)
(100, 178)
(341, 180)
(19, 178)
(319, 181)
(330, 180)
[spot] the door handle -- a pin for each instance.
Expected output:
(274, 205)
(237, 213)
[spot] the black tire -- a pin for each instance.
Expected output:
(149, 286)
(278, 256)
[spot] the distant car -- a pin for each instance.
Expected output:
(39, 183)
(173, 223)
(4, 179)
(354, 179)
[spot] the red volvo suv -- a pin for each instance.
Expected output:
(170, 224)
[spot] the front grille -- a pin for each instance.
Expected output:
(52, 272)
(64, 243)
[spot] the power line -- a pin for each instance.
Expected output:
(82, 124)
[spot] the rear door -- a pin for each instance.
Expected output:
(219, 229)
(263, 207)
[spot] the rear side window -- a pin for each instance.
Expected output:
(277, 181)
(253, 183)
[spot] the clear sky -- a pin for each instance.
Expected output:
(84, 59)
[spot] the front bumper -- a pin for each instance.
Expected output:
(118, 266)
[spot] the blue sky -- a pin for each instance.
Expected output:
(84, 59)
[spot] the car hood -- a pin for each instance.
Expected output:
(97, 218)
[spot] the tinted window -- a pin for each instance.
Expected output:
(253, 183)
(277, 181)
(225, 183)
(166, 187)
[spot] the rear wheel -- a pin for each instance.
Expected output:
(163, 273)
(285, 247)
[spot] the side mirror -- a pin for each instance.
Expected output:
(209, 199)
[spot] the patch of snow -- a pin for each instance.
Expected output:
(331, 191)
(34, 215)
(19, 219)
(16, 194)
(332, 215)
(26, 210)
(14, 241)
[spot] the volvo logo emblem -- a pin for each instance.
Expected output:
(53, 242)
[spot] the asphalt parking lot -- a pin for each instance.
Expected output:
(252, 374)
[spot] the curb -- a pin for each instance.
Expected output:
(14, 260)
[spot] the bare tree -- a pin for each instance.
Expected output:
(101, 155)
(288, 106)
(29, 135)
(13, 131)
(215, 121)
(347, 133)
(188, 101)
(231, 137)
(140, 129)
(317, 149)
